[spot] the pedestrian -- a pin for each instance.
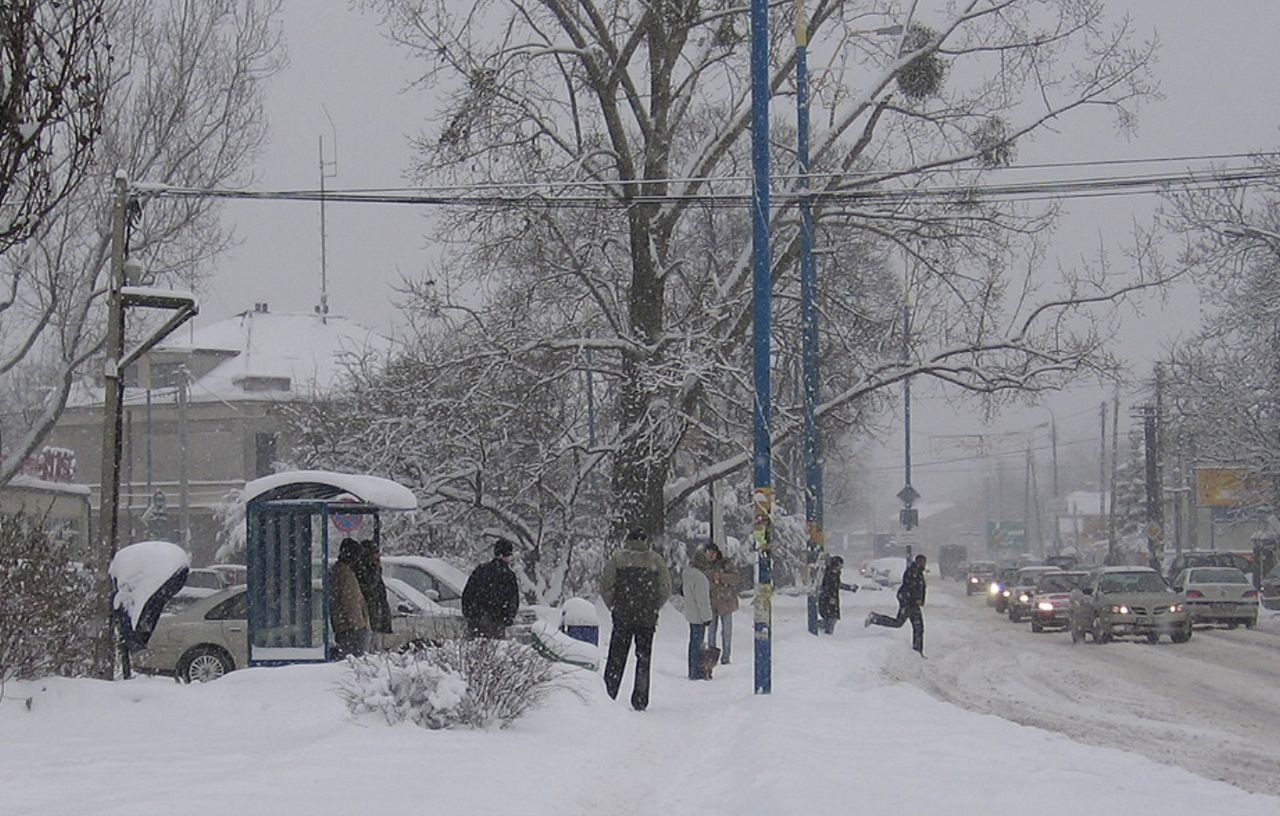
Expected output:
(910, 603)
(696, 587)
(634, 585)
(368, 570)
(348, 610)
(723, 573)
(491, 597)
(829, 594)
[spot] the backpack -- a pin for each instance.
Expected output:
(636, 601)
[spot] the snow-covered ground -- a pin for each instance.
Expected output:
(856, 723)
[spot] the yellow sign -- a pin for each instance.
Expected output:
(1223, 487)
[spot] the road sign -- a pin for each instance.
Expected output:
(908, 495)
(1007, 535)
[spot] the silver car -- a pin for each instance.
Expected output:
(1128, 601)
(1218, 595)
(208, 638)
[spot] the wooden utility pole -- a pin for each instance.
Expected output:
(1112, 541)
(112, 431)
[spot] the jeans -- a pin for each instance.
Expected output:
(619, 647)
(727, 620)
(905, 612)
(697, 637)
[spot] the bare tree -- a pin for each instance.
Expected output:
(185, 94)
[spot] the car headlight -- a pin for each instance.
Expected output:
(1119, 609)
(973, 580)
(1045, 606)
(1176, 608)
(994, 589)
(1024, 597)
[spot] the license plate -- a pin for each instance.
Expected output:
(1222, 607)
(1142, 620)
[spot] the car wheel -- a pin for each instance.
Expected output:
(1153, 637)
(204, 663)
(1100, 633)
(1181, 637)
(1232, 624)
(1251, 623)
(1036, 627)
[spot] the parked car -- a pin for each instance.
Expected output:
(209, 638)
(1271, 589)
(232, 574)
(1218, 595)
(1052, 608)
(1022, 593)
(442, 582)
(978, 576)
(201, 583)
(1128, 601)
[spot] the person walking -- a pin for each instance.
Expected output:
(491, 597)
(634, 586)
(696, 587)
(348, 610)
(723, 574)
(368, 569)
(910, 603)
(829, 594)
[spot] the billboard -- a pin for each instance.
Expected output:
(1225, 487)
(1006, 535)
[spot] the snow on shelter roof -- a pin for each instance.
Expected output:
(324, 484)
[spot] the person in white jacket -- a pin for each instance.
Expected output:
(697, 610)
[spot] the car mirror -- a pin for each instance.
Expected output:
(405, 608)
(433, 594)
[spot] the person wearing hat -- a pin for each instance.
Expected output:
(492, 594)
(910, 601)
(829, 594)
(634, 585)
(348, 610)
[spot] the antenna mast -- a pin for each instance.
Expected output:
(328, 169)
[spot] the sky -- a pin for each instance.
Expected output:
(346, 84)
(849, 727)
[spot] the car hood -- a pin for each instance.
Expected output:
(1146, 599)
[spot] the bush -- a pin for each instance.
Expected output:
(470, 683)
(46, 603)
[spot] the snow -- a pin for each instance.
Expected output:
(375, 490)
(142, 568)
(848, 728)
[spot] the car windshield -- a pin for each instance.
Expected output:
(1219, 575)
(1131, 582)
(1059, 583)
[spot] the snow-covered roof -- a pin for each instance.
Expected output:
(32, 483)
(325, 484)
(261, 355)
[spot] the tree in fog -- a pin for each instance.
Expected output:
(183, 92)
(624, 130)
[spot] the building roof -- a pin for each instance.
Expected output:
(261, 355)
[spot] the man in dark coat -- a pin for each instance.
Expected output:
(635, 584)
(492, 594)
(369, 573)
(910, 603)
(829, 594)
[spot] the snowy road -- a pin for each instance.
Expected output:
(1210, 705)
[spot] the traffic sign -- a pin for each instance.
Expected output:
(908, 495)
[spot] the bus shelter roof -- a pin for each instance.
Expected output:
(325, 485)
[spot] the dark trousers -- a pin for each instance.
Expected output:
(697, 637)
(905, 612)
(619, 648)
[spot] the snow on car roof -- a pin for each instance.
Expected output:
(324, 484)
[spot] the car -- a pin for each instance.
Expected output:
(201, 583)
(232, 574)
(978, 576)
(1052, 608)
(1271, 589)
(999, 589)
(1128, 601)
(442, 582)
(1209, 558)
(1022, 591)
(208, 638)
(1218, 595)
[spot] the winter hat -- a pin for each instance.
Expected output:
(349, 550)
(637, 534)
(502, 547)
(835, 561)
(715, 548)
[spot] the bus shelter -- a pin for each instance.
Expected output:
(294, 522)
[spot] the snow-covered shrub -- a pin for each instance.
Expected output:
(476, 683)
(46, 603)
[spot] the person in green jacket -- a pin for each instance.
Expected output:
(635, 584)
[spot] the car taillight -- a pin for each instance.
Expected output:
(1253, 593)
(1194, 593)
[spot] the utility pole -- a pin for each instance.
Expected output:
(113, 402)
(1152, 530)
(1102, 476)
(184, 484)
(1112, 541)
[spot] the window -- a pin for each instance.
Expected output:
(264, 454)
(233, 608)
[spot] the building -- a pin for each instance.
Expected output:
(204, 414)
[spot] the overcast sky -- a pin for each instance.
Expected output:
(1216, 69)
